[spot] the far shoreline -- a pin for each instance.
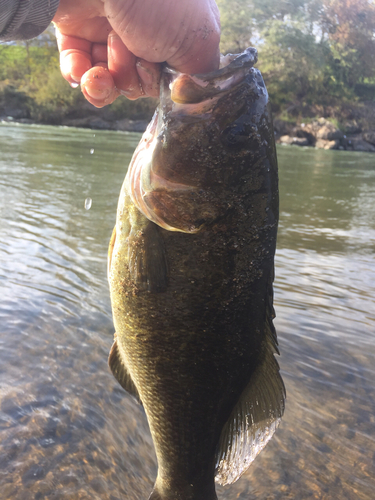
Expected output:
(320, 133)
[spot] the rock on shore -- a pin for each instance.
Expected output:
(323, 134)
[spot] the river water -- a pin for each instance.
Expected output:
(69, 431)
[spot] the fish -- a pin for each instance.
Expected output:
(191, 270)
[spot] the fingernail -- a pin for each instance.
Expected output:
(125, 93)
(113, 34)
(144, 74)
(114, 44)
(98, 94)
(74, 85)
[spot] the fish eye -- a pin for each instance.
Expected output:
(236, 135)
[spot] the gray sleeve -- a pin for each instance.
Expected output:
(25, 19)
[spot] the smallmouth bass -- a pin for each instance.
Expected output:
(190, 268)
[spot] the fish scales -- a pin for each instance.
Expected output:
(191, 266)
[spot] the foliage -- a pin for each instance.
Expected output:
(317, 53)
(291, 62)
(140, 109)
(54, 98)
(350, 27)
(236, 23)
(30, 79)
(310, 51)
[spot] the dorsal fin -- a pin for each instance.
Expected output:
(257, 413)
(118, 367)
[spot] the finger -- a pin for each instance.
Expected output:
(98, 87)
(149, 74)
(99, 53)
(122, 66)
(184, 33)
(199, 52)
(73, 65)
(83, 19)
(75, 57)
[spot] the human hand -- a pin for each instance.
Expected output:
(114, 47)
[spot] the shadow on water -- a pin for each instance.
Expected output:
(68, 430)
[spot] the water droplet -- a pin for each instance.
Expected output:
(88, 202)
(92, 151)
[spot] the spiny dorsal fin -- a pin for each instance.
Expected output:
(253, 420)
(146, 255)
(120, 371)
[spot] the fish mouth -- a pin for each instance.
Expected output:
(192, 89)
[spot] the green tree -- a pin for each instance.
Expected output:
(310, 51)
(292, 62)
(265, 11)
(350, 28)
(236, 24)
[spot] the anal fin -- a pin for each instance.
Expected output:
(120, 371)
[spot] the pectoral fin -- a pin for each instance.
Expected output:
(118, 367)
(146, 255)
(110, 249)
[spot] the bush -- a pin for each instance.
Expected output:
(140, 109)
(54, 99)
(14, 102)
